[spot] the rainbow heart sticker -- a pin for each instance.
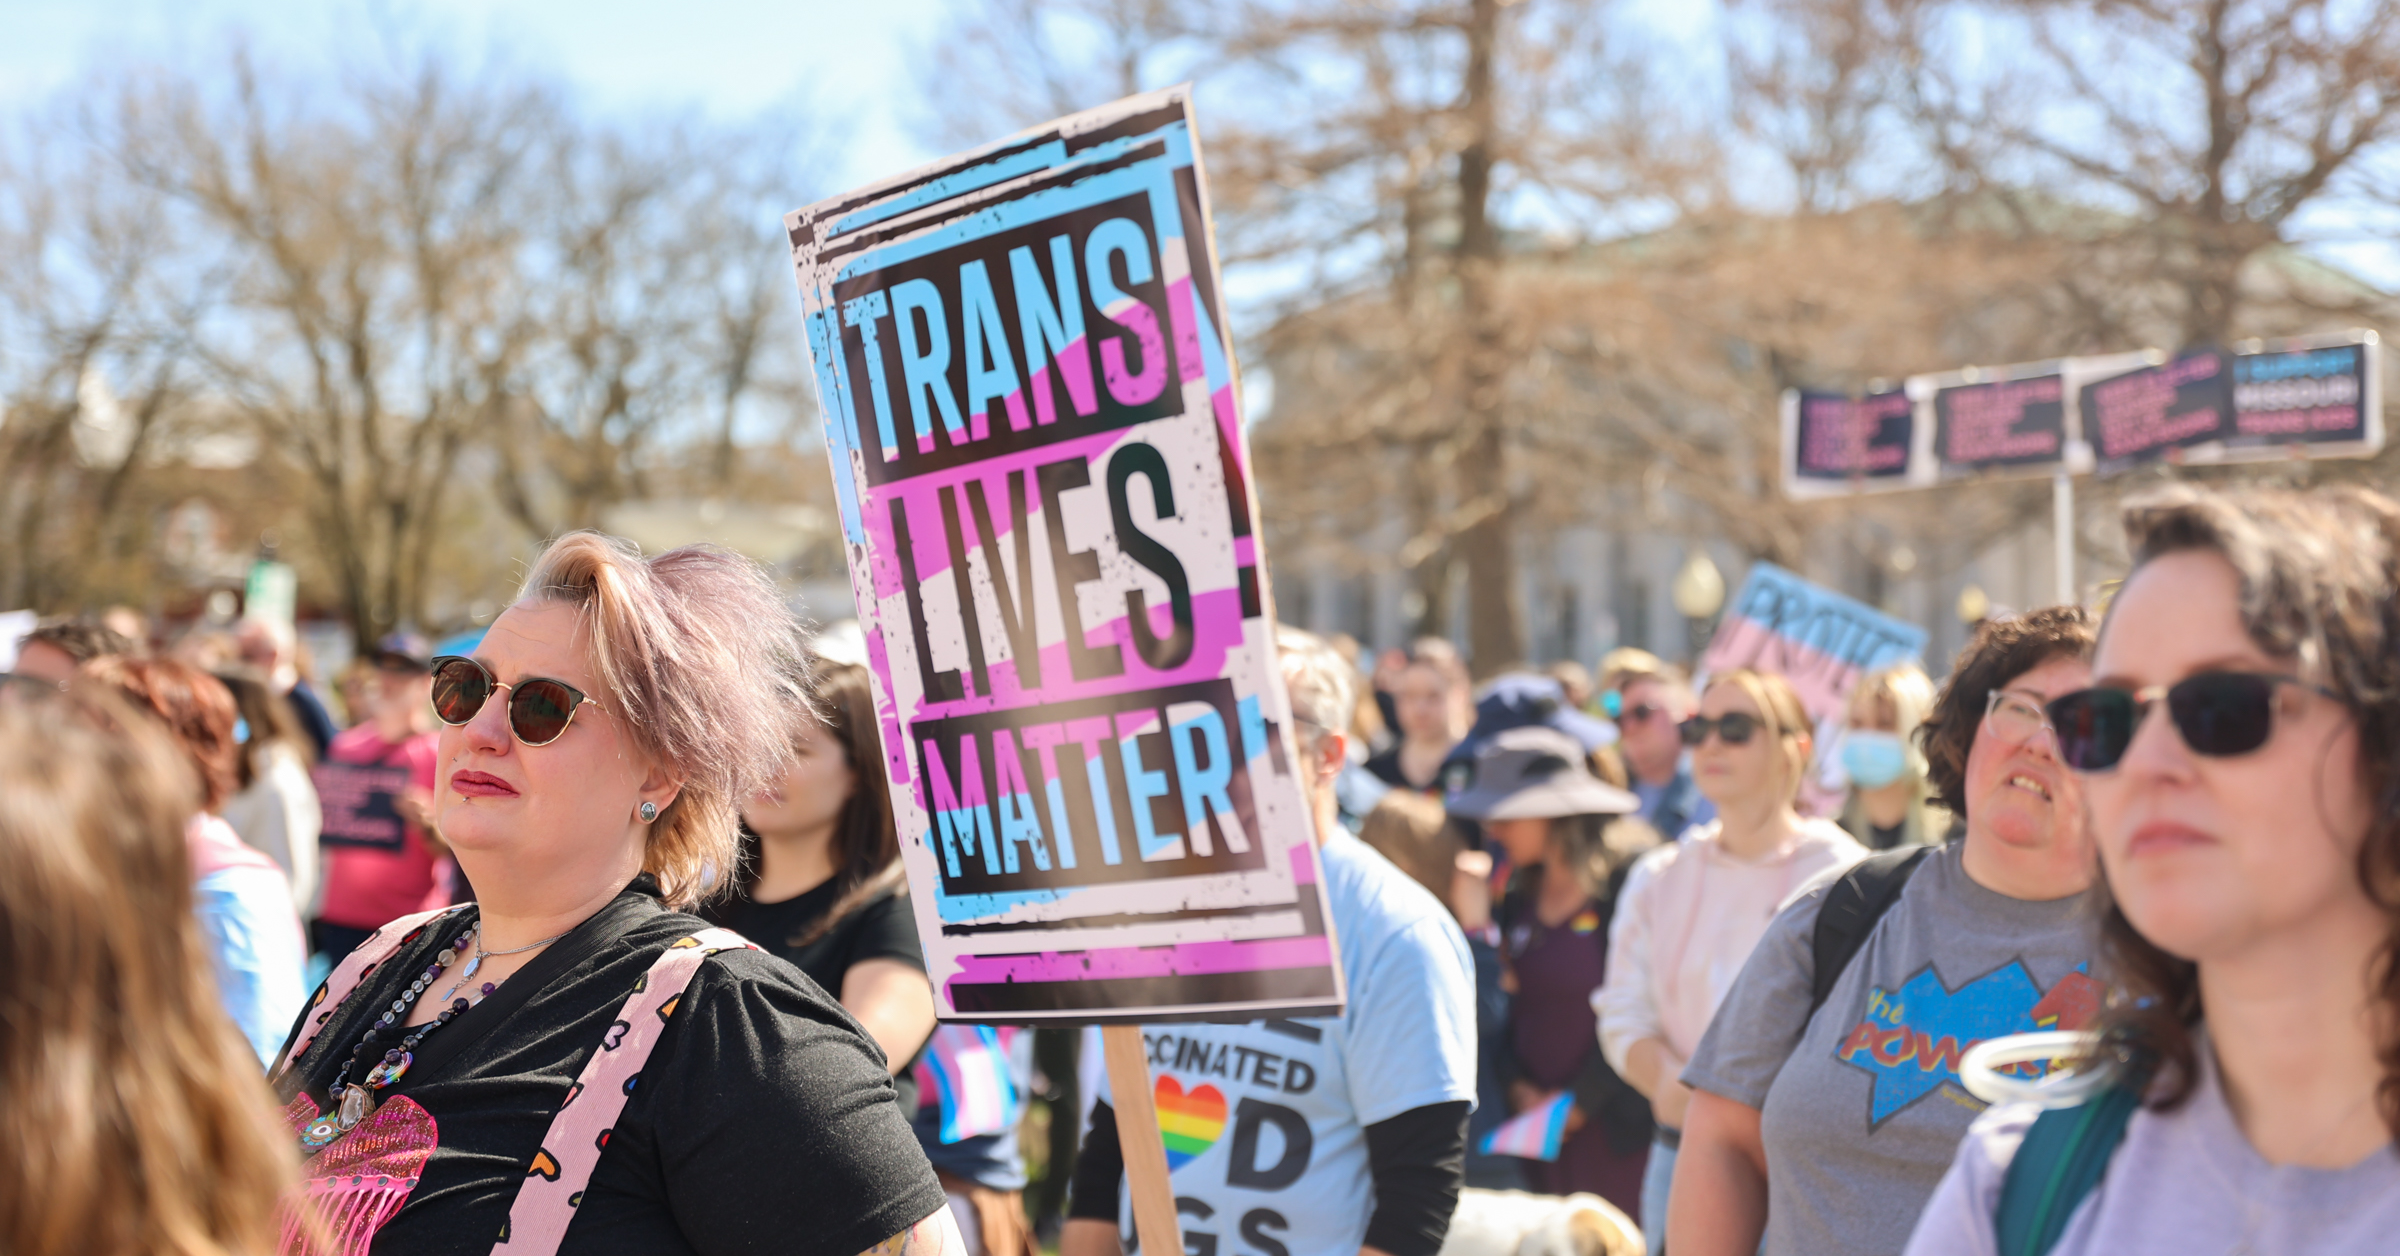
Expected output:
(1188, 1124)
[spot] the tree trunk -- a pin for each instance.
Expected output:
(1495, 631)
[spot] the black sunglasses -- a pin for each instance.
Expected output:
(1734, 728)
(2218, 713)
(539, 708)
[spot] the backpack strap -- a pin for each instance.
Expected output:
(1852, 906)
(578, 1134)
(2064, 1155)
(354, 968)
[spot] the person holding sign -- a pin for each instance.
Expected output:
(470, 1074)
(820, 878)
(1318, 1137)
(375, 786)
(822, 888)
(1825, 1096)
(2237, 746)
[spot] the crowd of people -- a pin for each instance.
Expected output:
(1605, 933)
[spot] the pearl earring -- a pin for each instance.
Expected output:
(649, 812)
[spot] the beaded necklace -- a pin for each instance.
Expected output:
(353, 1100)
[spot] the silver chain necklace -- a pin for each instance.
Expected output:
(476, 961)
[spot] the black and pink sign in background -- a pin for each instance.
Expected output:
(2307, 397)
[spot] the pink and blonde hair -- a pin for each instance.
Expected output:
(696, 654)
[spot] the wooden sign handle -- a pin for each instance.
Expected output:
(1154, 1220)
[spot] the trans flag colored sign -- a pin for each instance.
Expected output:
(1031, 405)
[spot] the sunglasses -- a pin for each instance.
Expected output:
(2219, 714)
(1734, 728)
(539, 709)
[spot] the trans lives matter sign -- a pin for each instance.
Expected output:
(1031, 405)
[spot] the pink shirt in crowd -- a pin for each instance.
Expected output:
(369, 879)
(1687, 920)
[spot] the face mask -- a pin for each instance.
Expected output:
(1873, 760)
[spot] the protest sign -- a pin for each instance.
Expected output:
(1819, 640)
(2137, 408)
(361, 804)
(2007, 420)
(2316, 396)
(1835, 444)
(1031, 406)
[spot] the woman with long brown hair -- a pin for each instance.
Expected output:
(821, 886)
(2240, 747)
(820, 881)
(135, 1121)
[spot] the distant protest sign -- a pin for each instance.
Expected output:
(362, 804)
(1836, 444)
(2139, 408)
(1030, 401)
(2009, 420)
(1816, 638)
(2320, 396)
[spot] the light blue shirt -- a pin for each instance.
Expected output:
(255, 949)
(1286, 1103)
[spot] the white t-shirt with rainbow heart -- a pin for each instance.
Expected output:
(1265, 1122)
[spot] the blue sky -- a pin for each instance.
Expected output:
(727, 57)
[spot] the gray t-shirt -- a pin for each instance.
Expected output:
(2182, 1181)
(1861, 1107)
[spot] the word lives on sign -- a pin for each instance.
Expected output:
(1031, 406)
(2307, 397)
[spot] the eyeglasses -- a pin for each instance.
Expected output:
(539, 709)
(2218, 714)
(2013, 717)
(1733, 727)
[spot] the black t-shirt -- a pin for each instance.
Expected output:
(1385, 767)
(764, 1120)
(880, 928)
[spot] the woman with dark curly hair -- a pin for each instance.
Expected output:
(1826, 1094)
(2239, 751)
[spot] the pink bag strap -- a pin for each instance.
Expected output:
(570, 1150)
(353, 969)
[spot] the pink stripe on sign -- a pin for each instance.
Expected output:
(1304, 865)
(1186, 327)
(1188, 959)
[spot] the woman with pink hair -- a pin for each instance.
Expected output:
(470, 1075)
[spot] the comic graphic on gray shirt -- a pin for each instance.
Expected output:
(1861, 1107)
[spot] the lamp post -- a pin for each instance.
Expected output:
(1698, 592)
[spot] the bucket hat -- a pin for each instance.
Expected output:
(1536, 772)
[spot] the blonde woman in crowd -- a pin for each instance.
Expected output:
(1889, 804)
(135, 1123)
(1692, 910)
